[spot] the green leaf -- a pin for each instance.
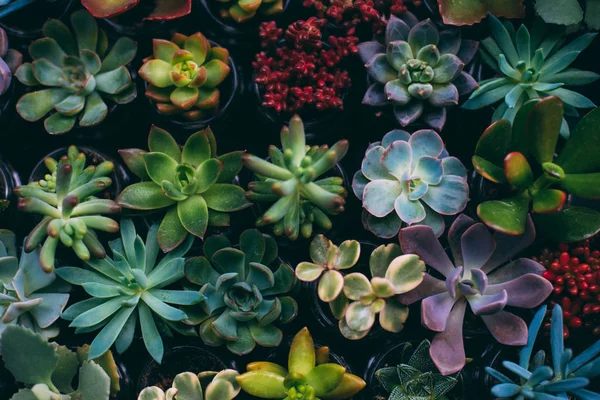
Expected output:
(543, 128)
(561, 12)
(171, 232)
(488, 170)
(160, 167)
(517, 170)
(572, 224)
(121, 54)
(263, 384)
(94, 383)
(226, 197)
(382, 257)
(193, 215)
(325, 377)
(196, 149)
(144, 196)
(330, 285)
(47, 48)
(592, 14)
(57, 124)
(380, 70)
(507, 216)
(302, 357)
(107, 336)
(157, 73)
(86, 30)
(161, 141)
(58, 31)
(113, 82)
(33, 106)
(548, 201)
(586, 186)
(150, 333)
(95, 110)
(356, 285)
(405, 272)
(578, 155)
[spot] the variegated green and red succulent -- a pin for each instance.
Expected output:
(162, 9)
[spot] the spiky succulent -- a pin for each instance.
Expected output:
(244, 10)
(290, 179)
(510, 155)
(309, 376)
(184, 75)
(80, 74)
(162, 9)
(192, 184)
(416, 377)
(188, 386)
(65, 198)
(418, 70)
(409, 179)
(244, 295)
(479, 277)
(28, 296)
(568, 377)
(10, 59)
(531, 66)
(131, 288)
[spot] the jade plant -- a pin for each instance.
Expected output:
(470, 12)
(409, 179)
(10, 60)
(245, 294)
(188, 386)
(569, 12)
(290, 179)
(566, 377)
(192, 184)
(417, 70)
(130, 288)
(72, 213)
(522, 157)
(48, 369)
(479, 277)
(184, 75)
(309, 376)
(531, 65)
(244, 10)
(416, 377)
(161, 9)
(79, 74)
(29, 297)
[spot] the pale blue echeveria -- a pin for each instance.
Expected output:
(409, 179)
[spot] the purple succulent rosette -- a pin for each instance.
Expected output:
(480, 276)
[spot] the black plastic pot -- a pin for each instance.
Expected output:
(27, 22)
(131, 23)
(492, 356)
(7, 101)
(9, 179)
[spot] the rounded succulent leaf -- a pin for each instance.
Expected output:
(330, 285)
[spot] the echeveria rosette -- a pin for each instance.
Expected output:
(567, 377)
(510, 155)
(478, 276)
(193, 184)
(184, 75)
(163, 9)
(10, 59)
(130, 288)
(80, 74)
(469, 12)
(409, 179)
(220, 385)
(290, 179)
(418, 70)
(244, 10)
(29, 297)
(531, 65)
(244, 295)
(309, 376)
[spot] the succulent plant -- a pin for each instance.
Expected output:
(569, 12)
(531, 65)
(309, 376)
(28, 296)
(244, 10)
(65, 198)
(48, 369)
(218, 386)
(509, 156)
(193, 184)
(416, 377)
(80, 74)
(289, 179)
(184, 75)
(130, 288)
(409, 179)
(244, 296)
(478, 276)
(162, 9)
(418, 70)
(10, 59)
(470, 12)
(566, 378)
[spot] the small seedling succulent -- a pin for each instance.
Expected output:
(418, 70)
(193, 184)
(409, 179)
(568, 377)
(244, 10)
(130, 288)
(509, 155)
(188, 386)
(10, 60)
(65, 198)
(531, 66)
(309, 376)
(290, 179)
(28, 296)
(184, 75)
(80, 74)
(162, 9)
(470, 12)
(415, 378)
(244, 296)
(478, 276)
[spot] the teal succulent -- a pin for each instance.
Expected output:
(244, 296)
(188, 386)
(531, 65)
(131, 288)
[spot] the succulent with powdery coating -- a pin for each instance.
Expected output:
(10, 60)
(478, 276)
(290, 179)
(309, 376)
(244, 10)
(531, 66)
(80, 74)
(418, 70)
(163, 9)
(184, 75)
(192, 184)
(71, 212)
(245, 297)
(409, 179)
(188, 386)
